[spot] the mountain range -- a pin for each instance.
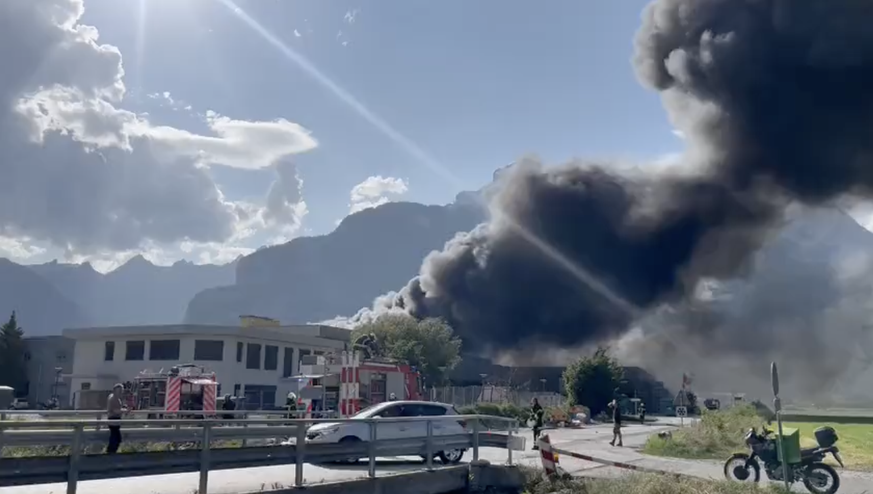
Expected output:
(309, 278)
(305, 280)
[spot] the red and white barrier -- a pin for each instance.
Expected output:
(547, 455)
(618, 464)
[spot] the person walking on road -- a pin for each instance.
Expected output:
(536, 418)
(114, 411)
(616, 423)
(642, 413)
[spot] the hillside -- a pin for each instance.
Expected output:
(316, 278)
(41, 308)
(138, 292)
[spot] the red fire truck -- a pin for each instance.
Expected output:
(182, 387)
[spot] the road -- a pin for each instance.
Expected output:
(592, 440)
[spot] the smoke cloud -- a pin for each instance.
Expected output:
(774, 100)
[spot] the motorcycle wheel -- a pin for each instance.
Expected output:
(821, 479)
(739, 468)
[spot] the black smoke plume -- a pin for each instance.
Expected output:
(775, 100)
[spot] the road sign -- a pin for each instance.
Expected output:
(681, 412)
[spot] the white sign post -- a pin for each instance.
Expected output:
(681, 412)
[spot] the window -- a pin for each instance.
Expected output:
(303, 352)
(164, 350)
(288, 362)
(109, 351)
(236, 389)
(61, 356)
(134, 350)
(209, 350)
(239, 351)
(253, 356)
(431, 410)
(86, 386)
(271, 357)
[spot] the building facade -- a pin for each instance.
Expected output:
(256, 363)
(49, 359)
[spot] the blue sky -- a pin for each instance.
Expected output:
(474, 84)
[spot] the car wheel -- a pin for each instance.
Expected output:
(451, 456)
(350, 441)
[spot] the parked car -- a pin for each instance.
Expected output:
(19, 404)
(351, 432)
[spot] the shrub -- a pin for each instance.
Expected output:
(642, 484)
(717, 434)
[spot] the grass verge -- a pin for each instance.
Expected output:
(717, 435)
(856, 442)
(642, 484)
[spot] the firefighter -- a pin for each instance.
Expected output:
(291, 404)
(228, 405)
(536, 418)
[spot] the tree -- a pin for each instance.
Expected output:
(13, 370)
(429, 345)
(591, 381)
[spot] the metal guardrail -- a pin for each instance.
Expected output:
(78, 466)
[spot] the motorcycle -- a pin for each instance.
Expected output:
(817, 477)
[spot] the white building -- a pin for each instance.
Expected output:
(254, 362)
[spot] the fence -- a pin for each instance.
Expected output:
(472, 395)
(299, 450)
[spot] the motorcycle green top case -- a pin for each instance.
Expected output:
(790, 445)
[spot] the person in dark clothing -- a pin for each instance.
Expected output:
(616, 423)
(228, 405)
(536, 416)
(114, 410)
(642, 413)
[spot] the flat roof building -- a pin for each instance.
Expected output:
(249, 361)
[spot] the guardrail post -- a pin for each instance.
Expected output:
(204, 458)
(476, 439)
(371, 450)
(245, 426)
(429, 445)
(300, 453)
(75, 455)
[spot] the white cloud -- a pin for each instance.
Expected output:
(351, 15)
(18, 249)
(375, 191)
(84, 176)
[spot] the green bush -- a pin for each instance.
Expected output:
(718, 434)
(642, 484)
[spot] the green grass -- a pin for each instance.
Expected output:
(642, 484)
(720, 433)
(856, 442)
(717, 435)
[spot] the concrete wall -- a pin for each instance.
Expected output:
(43, 355)
(92, 370)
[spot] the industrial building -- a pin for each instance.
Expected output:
(255, 360)
(48, 359)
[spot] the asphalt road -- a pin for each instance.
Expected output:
(592, 441)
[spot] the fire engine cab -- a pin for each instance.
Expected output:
(347, 383)
(182, 387)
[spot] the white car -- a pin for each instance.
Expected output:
(350, 432)
(18, 404)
